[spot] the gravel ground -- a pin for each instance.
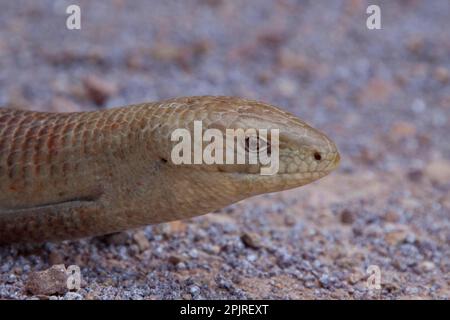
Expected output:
(382, 95)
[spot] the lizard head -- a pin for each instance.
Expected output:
(295, 153)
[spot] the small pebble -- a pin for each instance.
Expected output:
(251, 240)
(48, 282)
(427, 266)
(98, 89)
(347, 216)
(141, 240)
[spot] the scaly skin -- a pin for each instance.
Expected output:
(73, 175)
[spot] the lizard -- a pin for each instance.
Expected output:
(81, 174)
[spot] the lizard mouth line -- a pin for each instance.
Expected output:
(301, 175)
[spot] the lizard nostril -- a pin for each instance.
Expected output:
(317, 156)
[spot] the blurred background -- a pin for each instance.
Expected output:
(382, 95)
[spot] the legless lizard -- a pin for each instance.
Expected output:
(73, 175)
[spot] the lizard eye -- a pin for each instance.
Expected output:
(247, 144)
(253, 144)
(317, 156)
